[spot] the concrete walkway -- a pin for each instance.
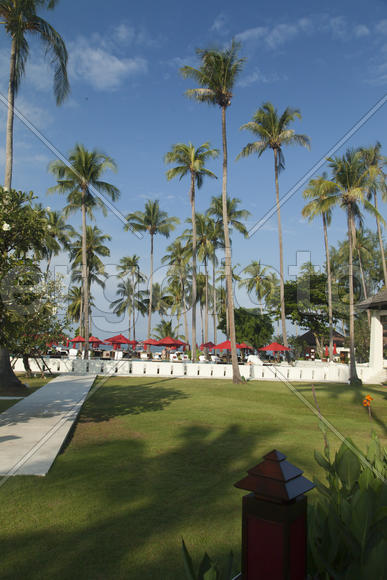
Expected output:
(33, 430)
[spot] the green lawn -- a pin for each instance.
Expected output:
(152, 460)
(34, 384)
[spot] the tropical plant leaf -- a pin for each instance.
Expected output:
(188, 565)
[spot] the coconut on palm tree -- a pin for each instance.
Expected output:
(273, 133)
(321, 194)
(20, 19)
(191, 161)
(82, 182)
(216, 76)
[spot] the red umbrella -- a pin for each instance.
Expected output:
(118, 339)
(275, 347)
(207, 345)
(326, 351)
(244, 345)
(77, 339)
(95, 340)
(334, 348)
(150, 342)
(226, 345)
(168, 341)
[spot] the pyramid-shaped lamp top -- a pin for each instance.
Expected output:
(275, 479)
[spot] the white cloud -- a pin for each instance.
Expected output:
(381, 27)
(256, 33)
(219, 24)
(281, 34)
(361, 30)
(257, 76)
(338, 27)
(100, 67)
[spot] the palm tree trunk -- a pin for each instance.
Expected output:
(10, 119)
(214, 295)
(184, 310)
(84, 278)
(134, 307)
(150, 291)
(194, 242)
(206, 297)
(381, 242)
(362, 278)
(353, 378)
(329, 276)
(236, 377)
(281, 251)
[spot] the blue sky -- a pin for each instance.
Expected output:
(127, 99)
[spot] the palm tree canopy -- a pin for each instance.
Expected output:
(273, 132)
(190, 161)
(153, 220)
(95, 249)
(353, 179)
(216, 75)
(20, 17)
(257, 279)
(84, 175)
(322, 194)
(375, 163)
(234, 214)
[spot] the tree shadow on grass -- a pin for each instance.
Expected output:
(129, 508)
(129, 400)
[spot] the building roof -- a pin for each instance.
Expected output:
(377, 302)
(310, 340)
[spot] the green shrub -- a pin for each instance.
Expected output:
(347, 526)
(208, 570)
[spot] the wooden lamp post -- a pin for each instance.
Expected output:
(274, 520)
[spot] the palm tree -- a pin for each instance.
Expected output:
(376, 162)
(177, 257)
(235, 278)
(216, 77)
(215, 237)
(81, 180)
(164, 329)
(273, 133)
(190, 161)
(321, 194)
(235, 215)
(257, 281)
(352, 178)
(20, 18)
(58, 238)
(154, 221)
(74, 306)
(129, 265)
(95, 249)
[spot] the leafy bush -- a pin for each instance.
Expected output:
(208, 570)
(347, 527)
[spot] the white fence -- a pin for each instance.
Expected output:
(320, 372)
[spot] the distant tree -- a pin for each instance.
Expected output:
(154, 221)
(251, 327)
(191, 162)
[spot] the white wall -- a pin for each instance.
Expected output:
(319, 372)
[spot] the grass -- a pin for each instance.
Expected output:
(152, 460)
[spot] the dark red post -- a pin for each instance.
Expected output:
(274, 520)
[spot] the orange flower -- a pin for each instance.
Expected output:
(369, 398)
(366, 403)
